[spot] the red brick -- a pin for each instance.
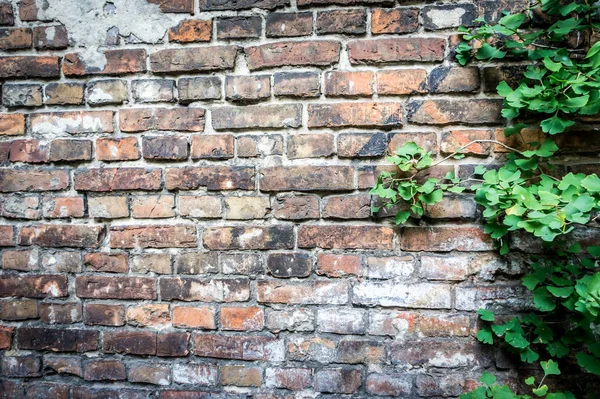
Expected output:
(247, 88)
(64, 364)
(389, 384)
(12, 124)
(28, 151)
(130, 342)
(442, 112)
(66, 150)
(200, 59)
(243, 208)
(191, 206)
(103, 262)
(214, 5)
(296, 84)
(291, 378)
(7, 236)
(306, 3)
(21, 366)
(29, 67)
(241, 376)
(212, 146)
(60, 313)
(19, 310)
(346, 237)
(33, 286)
(50, 37)
(7, 16)
(155, 263)
(239, 347)
(57, 340)
(13, 180)
(429, 353)
(17, 206)
(444, 239)
(276, 116)
(15, 38)
(361, 145)
(383, 51)
(344, 22)
(104, 315)
(195, 374)
(75, 122)
(296, 207)
(443, 325)
(85, 392)
(104, 370)
(101, 287)
(394, 20)
(243, 237)
(149, 373)
(402, 82)
(175, 6)
(20, 260)
(239, 27)
(161, 206)
(307, 178)
(302, 348)
(205, 290)
(121, 149)
(286, 265)
(172, 344)
(111, 179)
(334, 265)
(284, 24)
(53, 235)
(111, 207)
(355, 114)
(153, 236)
(349, 84)
(242, 318)
(213, 178)
(194, 317)
(305, 53)
(338, 380)
(171, 119)
(151, 315)
(454, 80)
(191, 31)
(174, 148)
(312, 293)
(357, 206)
(310, 146)
(454, 140)
(6, 335)
(118, 62)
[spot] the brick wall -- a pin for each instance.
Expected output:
(190, 218)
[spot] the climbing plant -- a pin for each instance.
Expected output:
(560, 83)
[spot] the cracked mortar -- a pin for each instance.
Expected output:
(92, 24)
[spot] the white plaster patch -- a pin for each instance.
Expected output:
(446, 18)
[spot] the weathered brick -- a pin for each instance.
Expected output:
(111, 179)
(241, 347)
(286, 265)
(383, 51)
(442, 112)
(307, 178)
(247, 88)
(175, 6)
(317, 349)
(402, 82)
(445, 325)
(50, 37)
(277, 116)
(454, 80)
(505, 297)
(200, 59)
(334, 265)
(20, 260)
(121, 149)
(110, 91)
(455, 140)
(310, 146)
(394, 20)
(101, 287)
(241, 376)
(214, 178)
(174, 148)
(291, 378)
(389, 384)
(155, 263)
(288, 24)
(60, 313)
(66, 150)
(444, 354)
(214, 5)
(306, 3)
(390, 267)
(17, 206)
(443, 385)
(150, 373)
(28, 151)
(338, 380)
(191, 31)
(204, 290)
(244, 237)
(151, 315)
(21, 366)
(239, 28)
(29, 67)
(12, 124)
(243, 263)
(61, 262)
(57, 340)
(242, 318)
(103, 370)
(301, 319)
(155, 206)
(86, 392)
(353, 351)
(345, 22)
(448, 16)
(70, 93)
(7, 236)
(153, 90)
(212, 146)
(118, 62)
(22, 95)
(305, 53)
(242, 208)
(296, 207)
(196, 374)
(259, 145)
(103, 262)
(54, 235)
(130, 342)
(347, 237)
(356, 206)
(172, 119)
(192, 206)
(391, 293)
(6, 336)
(155, 236)
(172, 344)
(104, 315)
(194, 317)
(111, 207)
(511, 74)
(313, 293)
(349, 84)
(75, 122)
(341, 321)
(445, 239)
(19, 310)
(64, 364)
(7, 16)
(355, 114)
(199, 88)
(296, 84)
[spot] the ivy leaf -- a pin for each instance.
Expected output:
(488, 379)
(486, 315)
(550, 367)
(541, 391)
(591, 364)
(516, 129)
(594, 250)
(488, 52)
(485, 335)
(402, 217)
(591, 183)
(529, 356)
(555, 125)
(563, 292)
(530, 381)
(542, 300)
(553, 66)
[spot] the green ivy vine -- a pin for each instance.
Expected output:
(560, 84)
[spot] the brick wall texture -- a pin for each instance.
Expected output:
(191, 219)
